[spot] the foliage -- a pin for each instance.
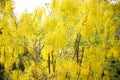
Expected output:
(78, 40)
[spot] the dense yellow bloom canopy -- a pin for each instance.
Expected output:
(78, 40)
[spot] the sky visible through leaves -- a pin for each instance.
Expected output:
(21, 6)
